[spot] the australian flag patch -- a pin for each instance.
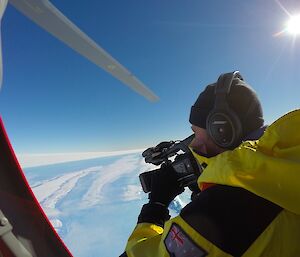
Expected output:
(179, 244)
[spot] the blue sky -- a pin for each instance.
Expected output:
(54, 100)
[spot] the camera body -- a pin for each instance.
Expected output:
(184, 164)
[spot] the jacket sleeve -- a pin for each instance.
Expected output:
(176, 239)
(156, 235)
(144, 240)
(148, 231)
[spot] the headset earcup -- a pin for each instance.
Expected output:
(225, 128)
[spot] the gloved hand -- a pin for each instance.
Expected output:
(164, 186)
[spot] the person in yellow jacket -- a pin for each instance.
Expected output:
(249, 199)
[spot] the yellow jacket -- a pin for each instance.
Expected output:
(269, 168)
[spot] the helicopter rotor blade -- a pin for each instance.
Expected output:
(46, 15)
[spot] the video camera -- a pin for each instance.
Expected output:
(184, 163)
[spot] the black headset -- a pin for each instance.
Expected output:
(222, 123)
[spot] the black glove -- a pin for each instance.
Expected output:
(164, 186)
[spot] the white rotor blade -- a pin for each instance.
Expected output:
(52, 20)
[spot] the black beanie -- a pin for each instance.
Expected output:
(241, 99)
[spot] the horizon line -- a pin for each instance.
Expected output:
(42, 159)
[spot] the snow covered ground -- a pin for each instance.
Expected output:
(93, 204)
